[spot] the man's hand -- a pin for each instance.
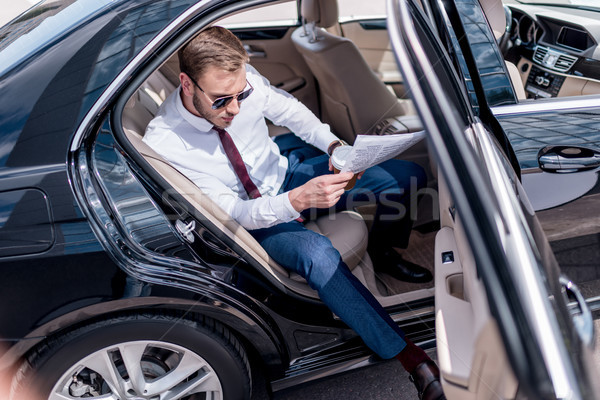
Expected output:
(320, 192)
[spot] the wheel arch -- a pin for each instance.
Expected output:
(262, 342)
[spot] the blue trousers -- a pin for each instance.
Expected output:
(312, 256)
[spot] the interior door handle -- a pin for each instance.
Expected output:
(253, 52)
(580, 312)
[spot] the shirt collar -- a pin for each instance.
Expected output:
(197, 122)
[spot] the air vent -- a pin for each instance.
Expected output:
(540, 53)
(552, 59)
(564, 63)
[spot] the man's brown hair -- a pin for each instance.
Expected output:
(215, 46)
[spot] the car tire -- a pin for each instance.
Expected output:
(196, 358)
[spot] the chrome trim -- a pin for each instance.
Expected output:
(593, 303)
(582, 317)
(19, 172)
(568, 159)
(549, 57)
(360, 360)
(516, 238)
(548, 105)
(421, 312)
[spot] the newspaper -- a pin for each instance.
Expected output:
(370, 150)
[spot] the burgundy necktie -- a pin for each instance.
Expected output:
(238, 164)
(239, 167)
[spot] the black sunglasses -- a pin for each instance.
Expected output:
(223, 101)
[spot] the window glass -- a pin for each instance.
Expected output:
(282, 14)
(353, 9)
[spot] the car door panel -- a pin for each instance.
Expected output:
(471, 355)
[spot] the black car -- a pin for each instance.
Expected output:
(122, 280)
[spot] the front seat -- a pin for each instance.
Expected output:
(353, 98)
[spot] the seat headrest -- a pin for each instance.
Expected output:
(324, 13)
(494, 12)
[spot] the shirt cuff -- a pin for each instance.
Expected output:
(289, 213)
(324, 139)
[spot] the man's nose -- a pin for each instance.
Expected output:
(233, 107)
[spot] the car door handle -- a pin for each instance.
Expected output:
(254, 52)
(580, 312)
(568, 159)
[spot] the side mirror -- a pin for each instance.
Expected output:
(568, 159)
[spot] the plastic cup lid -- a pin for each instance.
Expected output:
(338, 158)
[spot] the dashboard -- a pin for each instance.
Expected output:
(555, 49)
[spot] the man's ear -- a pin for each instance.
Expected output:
(186, 84)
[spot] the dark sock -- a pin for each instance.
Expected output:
(411, 356)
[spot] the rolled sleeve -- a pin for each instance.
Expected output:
(263, 212)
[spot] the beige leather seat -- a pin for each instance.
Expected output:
(353, 98)
(346, 230)
(494, 12)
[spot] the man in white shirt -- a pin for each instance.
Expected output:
(223, 146)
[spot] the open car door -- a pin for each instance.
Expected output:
(508, 325)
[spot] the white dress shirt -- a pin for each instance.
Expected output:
(190, 144)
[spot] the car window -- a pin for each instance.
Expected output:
(471, 43)
(281, 14)
(42, 26)
(354, 9)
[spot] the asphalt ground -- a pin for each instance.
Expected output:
(384, 381)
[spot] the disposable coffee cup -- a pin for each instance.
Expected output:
(338, 160)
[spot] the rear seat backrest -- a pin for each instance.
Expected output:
(158, 87)
(144, 104)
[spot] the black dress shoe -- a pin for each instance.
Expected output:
(391, 263)
(426, 378)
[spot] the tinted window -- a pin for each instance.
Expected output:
(281, 14)
(45, 98)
